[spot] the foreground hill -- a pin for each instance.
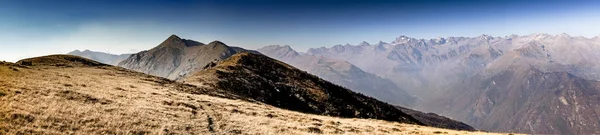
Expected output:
(72, 95)
(175, 57)
(342, 73)
(102, 57)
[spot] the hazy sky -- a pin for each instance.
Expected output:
(35, 28)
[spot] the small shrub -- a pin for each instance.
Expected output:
(315, 130)
(68, 85)
(437, 132)
(2, 94)
(15, 69)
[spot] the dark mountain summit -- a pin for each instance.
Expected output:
(176, 41)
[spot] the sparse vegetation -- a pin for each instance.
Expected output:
(13, 68)
(314, 130)
(119, 88)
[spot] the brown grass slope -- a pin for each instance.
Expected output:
(276, 83)
(62, 94)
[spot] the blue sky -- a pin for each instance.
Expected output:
(34, 28)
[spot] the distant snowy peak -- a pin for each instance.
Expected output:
(485, 37)
(364, 43)
(403, 40)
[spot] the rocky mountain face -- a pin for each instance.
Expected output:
(106, 58)
(342, 73)
(65, 94)
(174, 58)
(527, 101)
(536, 83)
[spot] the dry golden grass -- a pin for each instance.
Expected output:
(107, 100)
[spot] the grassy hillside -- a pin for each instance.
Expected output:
(99, 99)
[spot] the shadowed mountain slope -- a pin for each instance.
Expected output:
(434, 120)
(273, 82)
(342, 73)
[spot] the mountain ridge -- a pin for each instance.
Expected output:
(175, 57)
(107, 58)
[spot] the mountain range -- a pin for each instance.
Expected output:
(538, 83)
(102, 57)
